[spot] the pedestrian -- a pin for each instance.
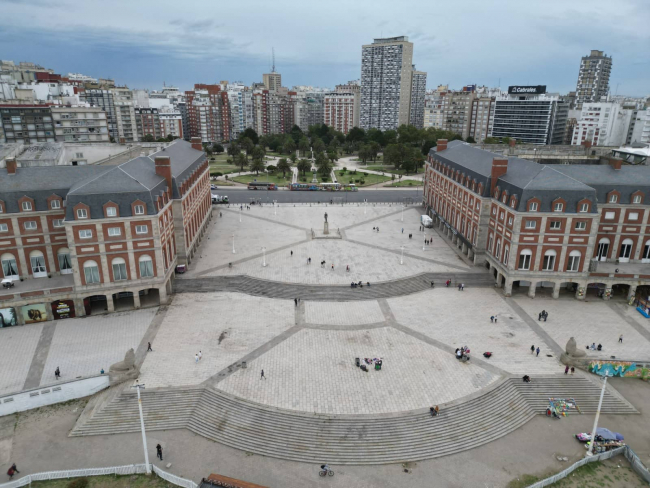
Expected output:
(149, 347)
(57, 373)
(12, 471)
(295, 300)
(347, 268)
(196, 358)
(458, 286)
(545, 316)
(566, 370)
(291, 253)
(377, 229)
(537, 350)
(262, 377)
(373, 228)
(432, 284)
(495, 319)
(309, 260)
(532, 349)
(462, 287)
(402, 230)
(492, 319)
(620, 338)
(220, 214)
(159, 451)
(332, 266)
(573, 370)
(200, 355)
(539, 317)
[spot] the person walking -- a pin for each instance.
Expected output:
(620, 339)
(545, 315)
(149, 347)
(573, 370)
(332, 266)
(196, 358)
(537, 351)
(492, 319)
(495, 319)
(462, 287)
(539, 316)
(262, 377)
(532, 349)
(200, 355)
(432, 284)
(566, 370)
(12, 471)
(159, 452)
(57, 373)
(295, 300)
(347, 268)
(402, 230)
(291, 253)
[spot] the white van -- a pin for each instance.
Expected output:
(426, 221)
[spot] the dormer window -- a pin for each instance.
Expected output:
(533, 207)
(111, 212)
(558, 207)
(613, 198)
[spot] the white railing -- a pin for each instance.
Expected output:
(81, 473)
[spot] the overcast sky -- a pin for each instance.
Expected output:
(142, 43)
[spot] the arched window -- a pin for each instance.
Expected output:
(549, 260)
(65, 263)
(574, 261)
(646, 253)
(497, 253)
(37, 261)
(626, 250)
(146, 266)
(506, 255)
(119, 269)
(490, 242)
(91, 272)
(524, 259)
(9, 266)
(603, 249)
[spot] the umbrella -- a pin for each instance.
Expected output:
(607, 434)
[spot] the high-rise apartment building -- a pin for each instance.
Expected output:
(27, 124)
(418, 90)
(97, 96)
(386, 83)
(272, 81)
(458, 111)
(208, 113)
(482, 116)
(593, 79)
(125, 114)
(80, 124)
(602, 124)
(147, 121)
(171, 122)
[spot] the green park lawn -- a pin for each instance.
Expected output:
(369, 179)
(400, 183)
(273, 178)
(390, 169)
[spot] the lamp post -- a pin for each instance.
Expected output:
(240, 212)
(137, 386)
(424, 237)
(275, 208)
(590, 452)
(401, 259)
(264, 257)
(402, 212)
(365, 203)
(233, 243)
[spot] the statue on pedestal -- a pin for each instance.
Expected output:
(325, 217)
(326, 227)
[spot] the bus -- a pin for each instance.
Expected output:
(330, 186)
(303, 187)
(260, 185)
(350, 187)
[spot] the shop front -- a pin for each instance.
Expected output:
(63, 309)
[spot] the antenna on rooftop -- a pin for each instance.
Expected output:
(273, 56)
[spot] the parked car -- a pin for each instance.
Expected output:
(213, 187)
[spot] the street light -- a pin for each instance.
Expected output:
(137, 386)
(424, 237)
(264, 257)
(233, 243)
(240, 212)
(401, 259)
(402, 212)
(275, 208)
(590, 452)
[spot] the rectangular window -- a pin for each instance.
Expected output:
(119, 272)
(27, 206)
(92, 274)
(141, 229)
(139, 209)
(31, 225)
(555, 224)
(57, 222)
(533, 207)
(81, 213)
(558, 207)
(4, 228)
(581, 225)
(609, 215)
(85, 234)
(549, 262)
(613, 198)
(530, 224)
(524, 261)
(509, 220)
(584, 207)
(574, 263)
(111, 212)
(146, 269)
(633, 215)
(114, 231)
(636, 199)
(55, 204)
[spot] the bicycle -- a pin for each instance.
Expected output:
(327, 472)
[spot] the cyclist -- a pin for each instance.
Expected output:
(325, 468)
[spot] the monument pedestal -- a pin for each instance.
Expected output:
(326, 228)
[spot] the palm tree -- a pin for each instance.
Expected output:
(325, 167)
(303, 145)
(293, 158)
(257, 165)
(283, 166)
(247, 145)
(241, 160)
(304, 166)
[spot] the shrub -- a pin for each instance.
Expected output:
(362, 182)
(410, 183)
(78, 483)
(344, 169)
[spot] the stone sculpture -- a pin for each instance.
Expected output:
(124, 370)
(574, 356)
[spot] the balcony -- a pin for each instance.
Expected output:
(36, 287)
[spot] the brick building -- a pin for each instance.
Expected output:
(208, 113)
(583, 228)
(101, 238)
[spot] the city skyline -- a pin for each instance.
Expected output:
(182, 48)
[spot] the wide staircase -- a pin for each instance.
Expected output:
(275, 289)
(585, 392)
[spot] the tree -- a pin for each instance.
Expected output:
(304, 166)
(208, 150)
(258, 152)
(356, 135)
(293, 158)
(148, 138)
(318, 145)
(241, 160)
(246, 144)
(364, 154)
(348, 147)
(284, 166)
(332, 156)
(233, 149)
(408, 134)
(303, 145)
(257, 165)
(470, 139)
(250, 134)
(397, 155)
(218, 148)
(390, 137)
(289, 146)
(296, 133)
(170, 137)
(325, 167)
(373, 150)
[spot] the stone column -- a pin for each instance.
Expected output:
(632, 292)
(136, 300)
(507, 288)
(532, 288)
(470, 253)
(581, 291)
(109, 303)
(556, 289)
(464, 248)
(162, 293)
(79, 309)
(20, 320)
(498, 280)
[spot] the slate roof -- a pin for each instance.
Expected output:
(96, 185)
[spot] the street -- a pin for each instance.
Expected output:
(241, 195)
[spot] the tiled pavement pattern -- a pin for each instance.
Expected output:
(343, 313)
(366, 264)
(461, 318)
(593, 321)
(82, 347)
(314, 371)
(17, 347)
(223, 326)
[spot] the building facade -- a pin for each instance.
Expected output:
(583, 228)
(26, 124)
(602, 124)
(418, 90)
(99, 238)
(208, 113)
(341, 110)
(80, 124)
(386, 82)
(147, 123)
(593, 78)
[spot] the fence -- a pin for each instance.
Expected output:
(116, 470)
(637, 465)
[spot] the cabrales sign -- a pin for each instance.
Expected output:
(527, 90)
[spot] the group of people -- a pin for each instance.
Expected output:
(462, 352)
(595, 347)
(376, 229)
(567, 369)
(359, 285)
(542, 315)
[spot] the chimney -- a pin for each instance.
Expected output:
(441, 145)
(613, 162)
(164, 169)
(512, 142)
(196, 144)
(499, 168)
(11, 166)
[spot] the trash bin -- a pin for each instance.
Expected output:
(244, 365)
(356, 360)
(378, 365)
